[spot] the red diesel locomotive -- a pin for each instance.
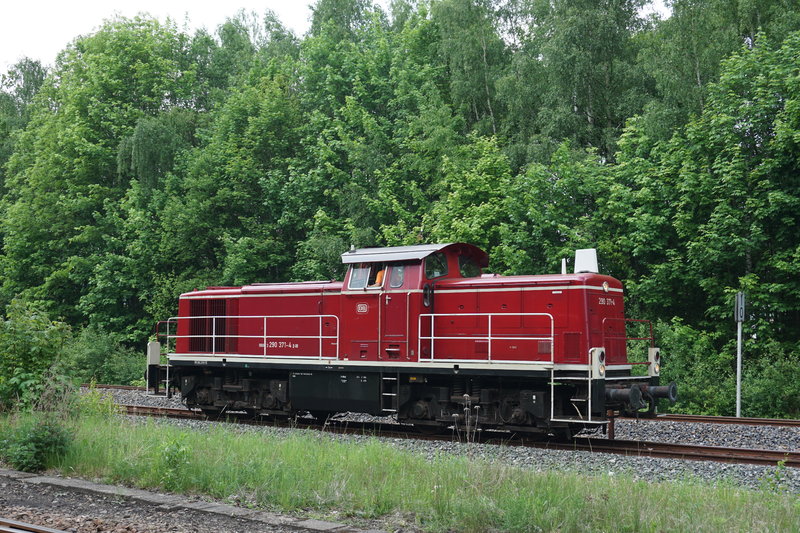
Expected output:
(420, 333)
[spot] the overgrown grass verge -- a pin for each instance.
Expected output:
(313, 473)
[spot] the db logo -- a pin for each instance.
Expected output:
(362, 309)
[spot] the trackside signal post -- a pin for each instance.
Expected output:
(738, 313)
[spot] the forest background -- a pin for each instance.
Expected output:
(149, 161)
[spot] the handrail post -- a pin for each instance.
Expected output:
(489, 338)
(433, 337)
(265, 336)
(213, 336)
(320, 336)
(421, 337)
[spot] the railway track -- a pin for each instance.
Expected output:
(620, 447)
(707, 419)
(12, 526)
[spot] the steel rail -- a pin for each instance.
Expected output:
(13, 526)
(684, 451)
(113, 387)
(707, 419)
(589, 444)
(163, 412)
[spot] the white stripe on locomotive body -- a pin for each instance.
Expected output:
(442, 290)
(463, 364)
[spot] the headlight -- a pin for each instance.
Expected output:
(602, 370)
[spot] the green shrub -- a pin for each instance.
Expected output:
(704, 374)
(703, 364)
(36, 443)
(96, 403)
(30, 343)
(174, 459)
(771, 383)
(100, 356)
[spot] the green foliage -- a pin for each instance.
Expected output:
(706, 376)
(94, 403)
(771, 382)
(776, 480)
(99, 356)
(30, 343)
(36, 443)
(174, 461)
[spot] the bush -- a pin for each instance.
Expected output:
(96, 355)
(96, 403)
(30, 343)
(36, 444)
(704, 374)
(704, 366)
(771, 383)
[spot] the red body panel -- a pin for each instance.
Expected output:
(328, 320)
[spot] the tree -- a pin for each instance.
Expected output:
(475, 57)
(17, 90)
(592, 81)
(64, 168)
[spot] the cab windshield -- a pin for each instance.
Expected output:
(468, 267)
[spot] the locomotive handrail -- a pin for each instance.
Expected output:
(489, 337)
(625, 337)
(214, 336)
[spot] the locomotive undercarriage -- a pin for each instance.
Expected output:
(431, 402)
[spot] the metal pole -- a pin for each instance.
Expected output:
(739, 317)
(738, 369)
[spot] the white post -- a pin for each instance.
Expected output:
(738, 369)
(738, 314)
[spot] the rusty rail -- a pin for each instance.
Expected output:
(707, 419)
(12, 526)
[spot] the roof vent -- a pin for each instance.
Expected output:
(586, 261)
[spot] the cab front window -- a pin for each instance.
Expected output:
(436, 266)
(468, 267)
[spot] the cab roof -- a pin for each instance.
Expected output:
(407, 253)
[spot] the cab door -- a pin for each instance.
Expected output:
(361, 310)
(395, 302)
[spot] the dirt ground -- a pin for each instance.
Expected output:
(65, 509)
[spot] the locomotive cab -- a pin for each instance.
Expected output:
(384, 288)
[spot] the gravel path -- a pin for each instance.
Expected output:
(647, 468)
(68, 510)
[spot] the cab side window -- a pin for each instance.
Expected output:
(436, 266)
(376, 277)
(397, 277)
(358, 277)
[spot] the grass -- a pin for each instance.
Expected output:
(313, 473)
